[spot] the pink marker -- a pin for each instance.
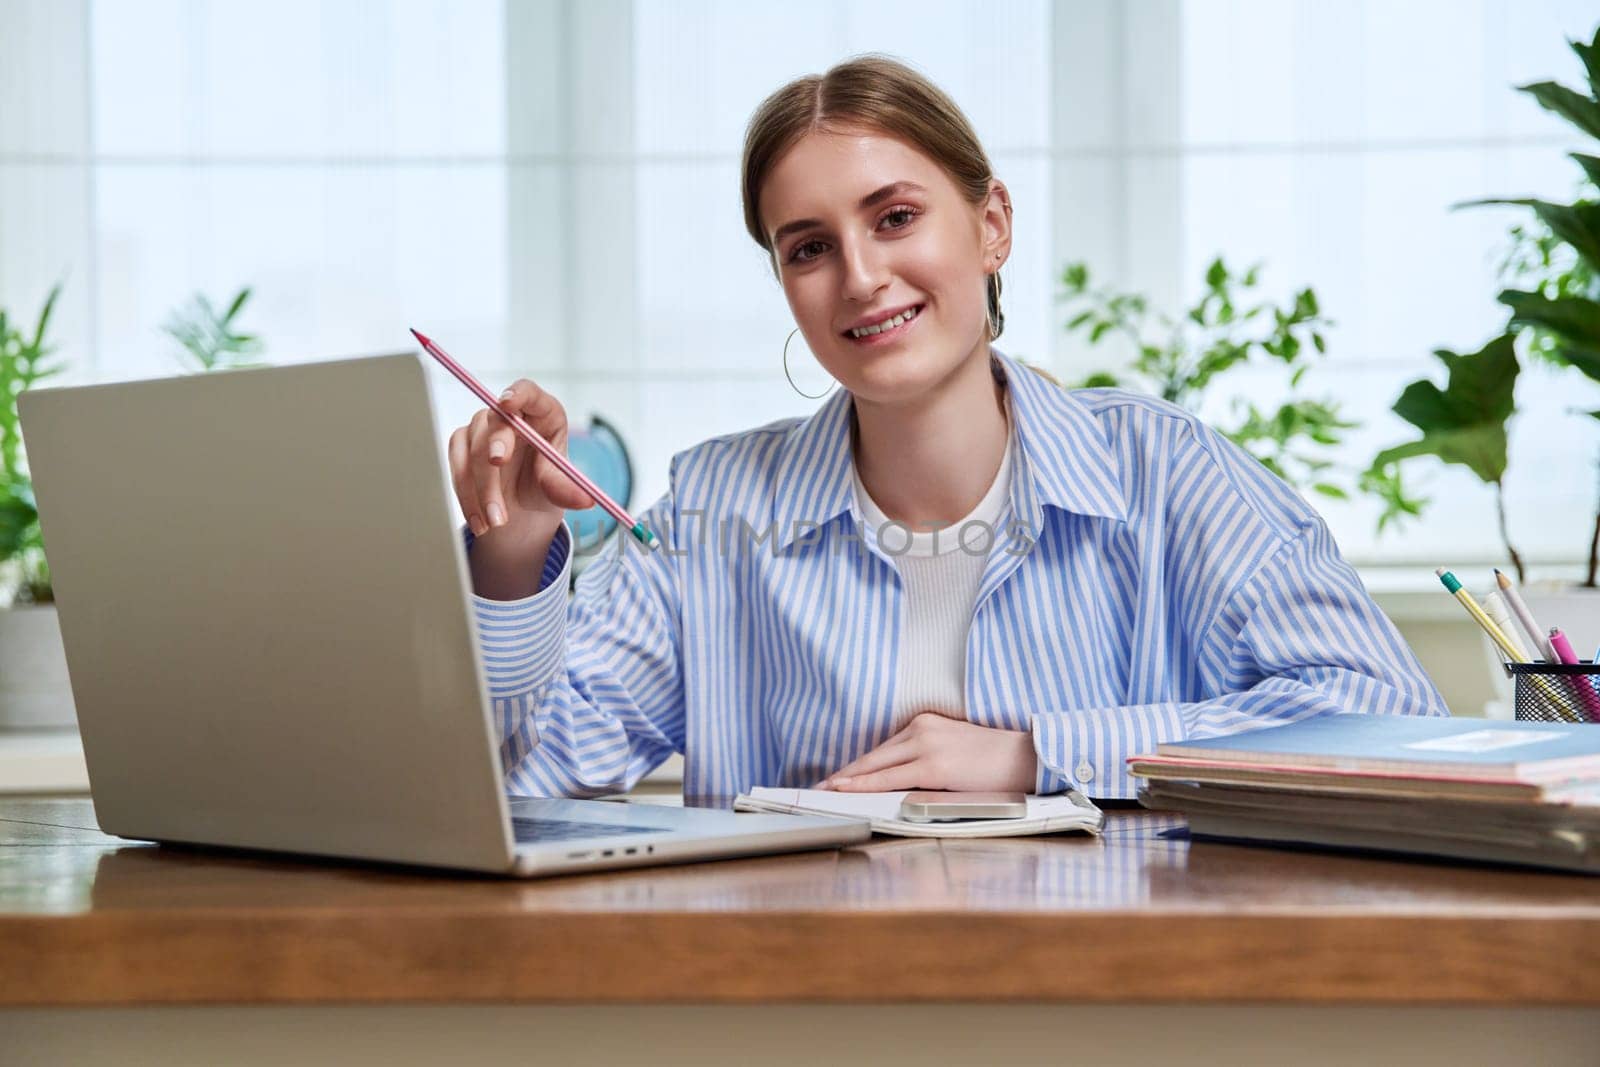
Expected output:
(1580, 685)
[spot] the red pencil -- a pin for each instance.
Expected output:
(549, 451)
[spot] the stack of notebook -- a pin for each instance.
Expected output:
(1509, 792)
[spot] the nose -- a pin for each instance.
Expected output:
(865, 270)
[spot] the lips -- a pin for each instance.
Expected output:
(885, 324)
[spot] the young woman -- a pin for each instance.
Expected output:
(955, 575)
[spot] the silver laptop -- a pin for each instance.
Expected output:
(266, 609)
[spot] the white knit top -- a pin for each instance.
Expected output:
(940, 581)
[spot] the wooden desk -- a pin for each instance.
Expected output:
(1059, 937)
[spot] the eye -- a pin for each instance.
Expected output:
(799, 253)
(905, 213)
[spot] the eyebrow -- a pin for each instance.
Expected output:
(872, 198)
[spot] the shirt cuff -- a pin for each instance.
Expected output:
(1052, 746)
(1087, 749)
(523, 641)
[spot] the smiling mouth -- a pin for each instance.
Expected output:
(893, 325)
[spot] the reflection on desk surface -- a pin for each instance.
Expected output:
(61, 865)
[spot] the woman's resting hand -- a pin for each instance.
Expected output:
(935, 751)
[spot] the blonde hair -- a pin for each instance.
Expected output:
(875, 92)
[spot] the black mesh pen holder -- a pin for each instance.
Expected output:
(1556, 692)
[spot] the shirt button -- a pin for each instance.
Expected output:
(1084, 772)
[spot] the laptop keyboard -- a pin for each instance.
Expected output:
(536, 831)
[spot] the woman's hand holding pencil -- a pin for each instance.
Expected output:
(513, 507)
(502, 482)
(512, 478)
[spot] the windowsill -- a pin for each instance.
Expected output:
(669, 773)
(1413, 593)
(42, 761)
(51, 761)
(1404, 606)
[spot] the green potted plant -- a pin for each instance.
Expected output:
(1552, 294)
(1181, 359)
(34, 689)
(209, 341)
(35, 692)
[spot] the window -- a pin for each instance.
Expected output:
(551, 189)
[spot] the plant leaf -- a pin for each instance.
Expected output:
(17, 516)
(1590, 54)
(208, 340)
(1590, 165)
(1577, 224)
(1576, 108)
(1480, 450)
(44, 316)
(238, 302)
(1465, 422)
(1574, 320)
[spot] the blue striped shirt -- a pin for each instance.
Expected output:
(1153, 582)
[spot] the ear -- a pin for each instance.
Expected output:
(995, 223)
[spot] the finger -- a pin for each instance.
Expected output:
(888, 754)
(485, 477)
(555, 483)
(461, 480)
(914, 730)
(536, 406)
(502, 440)
(904, 735)
(913, 775)
(546, 417)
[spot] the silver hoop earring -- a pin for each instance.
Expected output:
(786, 374)
(996, 318)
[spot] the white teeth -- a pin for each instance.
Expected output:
(889, 324)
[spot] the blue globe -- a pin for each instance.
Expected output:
(597, 450)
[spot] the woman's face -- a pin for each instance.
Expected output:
(864, 229)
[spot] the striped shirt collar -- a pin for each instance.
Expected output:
(1063, 461)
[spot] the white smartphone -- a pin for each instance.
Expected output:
(935, 805)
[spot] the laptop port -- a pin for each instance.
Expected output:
(631, 851)
(607, 852)
(577, 855)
